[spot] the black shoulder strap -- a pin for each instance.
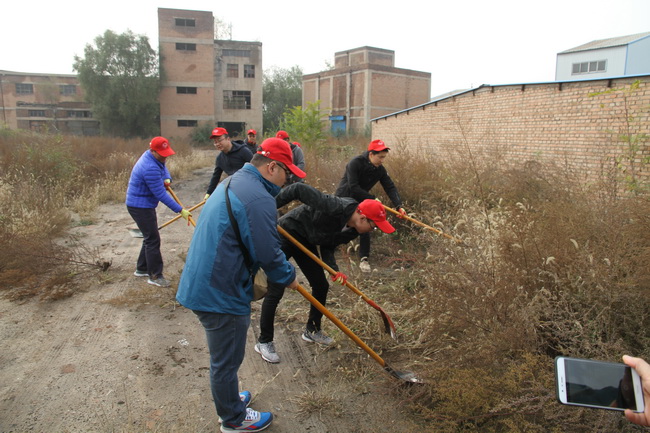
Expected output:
(247, 257)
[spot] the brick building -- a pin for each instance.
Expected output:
(216, 82)
(45, 102)
(576, 124)
(364, 84)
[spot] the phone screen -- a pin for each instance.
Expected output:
(601, 384)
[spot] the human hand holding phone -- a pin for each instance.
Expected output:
(598, 384)
(643, 369)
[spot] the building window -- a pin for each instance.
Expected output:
(183, 46)
(236, 99)
(249, 71)
(80, 114)
(237, 53)
(232, 70)
(36, 113)
(186, 90)
(589, 67)
(185, 22)
(68, 89)
(187, 123)
(24, 89)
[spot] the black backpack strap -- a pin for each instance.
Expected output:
(247, 257)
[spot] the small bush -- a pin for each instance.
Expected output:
(48, 178)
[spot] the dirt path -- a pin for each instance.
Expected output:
(121, 356)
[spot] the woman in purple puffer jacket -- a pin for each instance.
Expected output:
(147, 187)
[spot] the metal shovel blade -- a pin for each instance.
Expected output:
(406, 376)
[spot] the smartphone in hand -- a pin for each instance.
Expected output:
(598, 384)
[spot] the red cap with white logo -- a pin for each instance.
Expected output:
(374, 210)
(161, 146)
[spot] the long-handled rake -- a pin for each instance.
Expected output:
(388, 323)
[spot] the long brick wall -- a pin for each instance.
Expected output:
(574, 123)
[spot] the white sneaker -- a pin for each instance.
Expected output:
(267, 350)
(160, 282)
(364, 265)
(317, 337)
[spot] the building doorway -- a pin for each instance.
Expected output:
(235, 129)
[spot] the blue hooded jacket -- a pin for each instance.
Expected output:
(215, 277)
(146, 184)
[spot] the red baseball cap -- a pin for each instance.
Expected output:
(377, 146)
(279, 150)
(297, 144)
(161, 146)
(218, 132)
(282, 134)
(374, 210)
(251, 131)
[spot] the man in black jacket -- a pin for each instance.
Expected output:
(361, 174)
(232, 156)
(322, 220)
(251, 141)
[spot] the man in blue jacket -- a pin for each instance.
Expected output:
(147, 187)
(233, 154)
(216, 283)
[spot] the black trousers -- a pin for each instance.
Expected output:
(150, 259)
(364, 245)
(314, 273)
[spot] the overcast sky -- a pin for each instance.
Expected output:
(462, 43)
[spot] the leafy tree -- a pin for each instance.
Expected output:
(282, 90)
(120, 78)
(200, 134)
(305, 126)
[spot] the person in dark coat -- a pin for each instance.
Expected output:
(322, 220)
(298, 154)
(232, 156)
(361, 174)
(251, 141)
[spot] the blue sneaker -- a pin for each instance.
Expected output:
(254, 421)
(244, 396)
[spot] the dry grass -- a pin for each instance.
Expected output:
(45, 182)
(548, 266)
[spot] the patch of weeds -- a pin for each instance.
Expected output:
(85, 222)
(145, 294)
(317, 402)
